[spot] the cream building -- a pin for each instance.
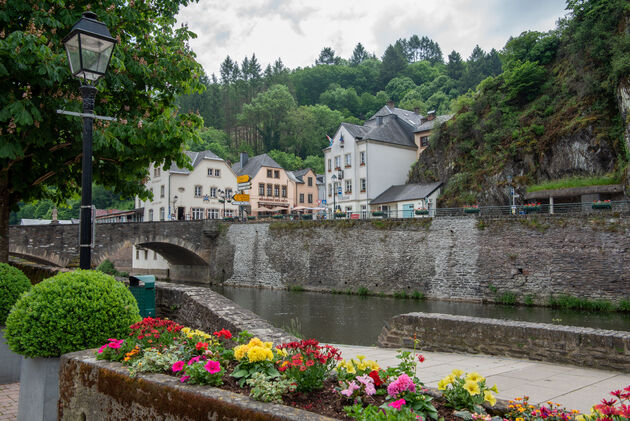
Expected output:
(182, 194)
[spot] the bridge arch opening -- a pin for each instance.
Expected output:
(174, 254)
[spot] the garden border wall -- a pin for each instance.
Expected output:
(202, 308)
(102, 390)
(596, 348)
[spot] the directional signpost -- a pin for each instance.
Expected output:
(240, 197)
(243, 179)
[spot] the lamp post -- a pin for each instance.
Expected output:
(334, 183)
(174, 213)
(89, 47)
(223, 197)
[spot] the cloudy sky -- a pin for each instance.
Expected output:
(297, 30)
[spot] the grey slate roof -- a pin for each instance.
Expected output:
(390, 132)
(406, 192)
(195, 159)
(293, 178)
(301, 173)
(428, 125)
(356, 131)
(254, 164)
(407, 116)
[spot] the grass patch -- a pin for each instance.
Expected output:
(529, 300)
(566, 183)
(508, 298)
(568, 302)
(296, 288)
(364, 292)
(400, 294)
(624, 306)
(417, 295)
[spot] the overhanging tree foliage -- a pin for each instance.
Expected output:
(40, 151)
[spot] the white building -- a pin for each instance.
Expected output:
(403, 201)
(183, 194)
(364, 161)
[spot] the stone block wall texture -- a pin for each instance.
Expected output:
(202, 308)
(595, 348)
(470, 258)
(101, 390)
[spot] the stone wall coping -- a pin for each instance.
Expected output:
(518, 324)
(81, 370)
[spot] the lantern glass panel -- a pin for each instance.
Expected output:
(72, 50)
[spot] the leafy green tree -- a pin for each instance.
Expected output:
(327, 56)
(150, 67)
(307, 127)
(288, 161)
(268, 113)
(524, 80)
(421, 72)
(398, 87)
(531, 46)
(314, 162)
(455, 67)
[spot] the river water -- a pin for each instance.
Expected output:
(356, 320)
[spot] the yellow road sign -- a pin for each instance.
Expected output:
(241, 197)
(242, 178)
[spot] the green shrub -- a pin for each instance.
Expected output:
(508, 298)
(69, 312)
(417, 295)
(624, 306)
(363, 291)
(13, 283)
(577, 303)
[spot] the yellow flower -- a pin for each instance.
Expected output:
(474, 377)
(494, 389)
(442, 385)
(472, 387)
(185, 330)
(457, 372)
(361, 357)
(488, 397)
(350, 368)
(240, 351)
(520, 419)
(259, 353)
(282, 352)
(373, 365)
(268, 345)
(362, 366)
(580, 418)
(255, 342)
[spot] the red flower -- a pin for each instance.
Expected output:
(201, 345)
(421, 358)
(377, 379)
(223, 333)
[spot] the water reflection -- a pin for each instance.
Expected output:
(358, 320)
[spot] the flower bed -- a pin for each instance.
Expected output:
(532, 207)
(378, 213)
(305, 374)
(471, 209)
(422, 211)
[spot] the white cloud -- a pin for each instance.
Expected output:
(297, 30)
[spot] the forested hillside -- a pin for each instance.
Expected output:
(554, 112)
(250, 109)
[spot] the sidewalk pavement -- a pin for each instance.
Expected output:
(570, 386)
(9, 394)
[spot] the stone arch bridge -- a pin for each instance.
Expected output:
(190, 247)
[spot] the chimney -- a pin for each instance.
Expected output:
(431, 115)
(390, 104)
(416, 111)
(243, 160)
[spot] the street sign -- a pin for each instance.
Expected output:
(244, 186)
(339, 190)
(242, 178)
(323, 201)
(241, 197)
(241, 203)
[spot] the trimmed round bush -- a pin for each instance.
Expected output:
(13, 283)
(69, 312)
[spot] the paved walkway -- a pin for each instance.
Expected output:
(9, 394)
(573, 387)
(570, 386)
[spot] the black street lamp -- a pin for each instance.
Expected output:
(224, 196)
(89, 47)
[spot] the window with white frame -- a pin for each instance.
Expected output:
(284, 191)
(213, 192)
(276, 190)
(347, 160)
(213, 214)
(269, 190)
(210, 172)
(150, 214)
(261, 189)
(217, 172)
(156, 172)
(229, 213)
(310, 181)
(161, 214)
(330, 189)
(329, 165)
(363, 182)
(348, 186)
(362, 157)
(228, 193)
(310, 198)
(197, 191)
(197, 213)
(301, 197)
(137, 254)
(162, 191)
(337, 162)
(424, 141)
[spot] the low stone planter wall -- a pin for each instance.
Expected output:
(102, 390)
(10, 366)
(606, 349)
(204, 309)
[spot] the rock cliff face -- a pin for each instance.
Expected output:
(623, 101)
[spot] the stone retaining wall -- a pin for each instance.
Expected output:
(526, 258)
(202, 308)
(606, 349)
(101, 390)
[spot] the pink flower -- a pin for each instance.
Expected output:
(194, 360)
(212, 367)
(184, 378)
(352, 386)
(115, 343)
(101, 349)
(368, 382)
(401, 384)
(397, 404)
(178, 366)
